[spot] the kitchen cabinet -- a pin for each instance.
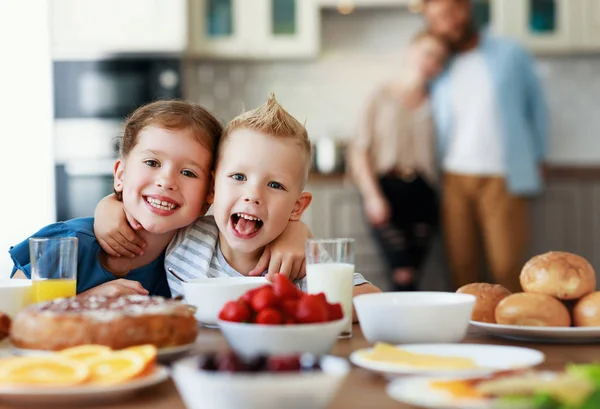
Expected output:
(541, 25)
(590, 12)
(559, 219)
(349, 4)
(116, 26)
(254, 29)
(550, 26)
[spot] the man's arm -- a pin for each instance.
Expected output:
(536, 106)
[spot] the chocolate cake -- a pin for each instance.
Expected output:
(117, 322)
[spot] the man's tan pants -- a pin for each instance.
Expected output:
(479, 214)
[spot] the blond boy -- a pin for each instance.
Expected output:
(261, 169)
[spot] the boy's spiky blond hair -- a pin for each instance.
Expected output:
(271, 119)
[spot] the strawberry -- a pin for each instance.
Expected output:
(334, 312)
(284, 289)
(264, 298)
(236, 311)
(248, 295)
(269, 316)
(311, 308)
(289, 307)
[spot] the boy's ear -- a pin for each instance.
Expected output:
(301, 205)
(118, 172)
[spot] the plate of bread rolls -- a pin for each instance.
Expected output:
(559, 302)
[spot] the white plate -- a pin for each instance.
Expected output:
(417, 391)
(78, 395)
(164, 354)
(541, 334)
(488, 358)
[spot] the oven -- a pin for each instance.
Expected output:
(91, 100)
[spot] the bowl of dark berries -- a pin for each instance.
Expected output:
(225, 380)
(280, 319)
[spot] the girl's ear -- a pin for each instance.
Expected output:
(210, 196)
(119, 172)
(301, 205)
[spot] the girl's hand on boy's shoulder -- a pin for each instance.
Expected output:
(116, 288)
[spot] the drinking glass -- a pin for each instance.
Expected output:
(330, 269)
(53, 267)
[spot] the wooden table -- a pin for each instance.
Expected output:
(362, 389)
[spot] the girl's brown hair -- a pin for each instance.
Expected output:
(172, 115)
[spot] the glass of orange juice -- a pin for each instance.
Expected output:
(53, 267)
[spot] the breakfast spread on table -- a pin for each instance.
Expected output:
(558, 291)
(106, 342)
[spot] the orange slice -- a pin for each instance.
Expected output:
(149, 352)
(86, 352)
(48, 371)
(118, 367)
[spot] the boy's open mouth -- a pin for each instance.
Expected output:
(245, 225)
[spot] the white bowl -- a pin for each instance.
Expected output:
(414, 317)
(209, 295)
(249, 340)
(15, 295)
(218, 390)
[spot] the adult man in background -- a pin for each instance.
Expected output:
(491, 123)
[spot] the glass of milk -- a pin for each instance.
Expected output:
(330, 270)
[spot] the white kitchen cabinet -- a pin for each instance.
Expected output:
(344, 4)
(541, 25)
(254, 29)
(116, 26)
(221, 28)
(287, 29)
(590, 15)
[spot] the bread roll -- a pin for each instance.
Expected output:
(488, 297)
(586, 312)
(531, 309)
(565, 276)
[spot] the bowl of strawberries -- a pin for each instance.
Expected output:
(281, 319)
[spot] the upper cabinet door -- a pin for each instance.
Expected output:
(591, 24)
(542, 25)
(482, 13)
(221, 27)
(286, 28)
(81, 26)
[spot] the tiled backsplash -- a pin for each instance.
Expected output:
(361, 51)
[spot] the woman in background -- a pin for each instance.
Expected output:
(393, 162)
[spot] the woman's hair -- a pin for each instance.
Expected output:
(172, 115)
